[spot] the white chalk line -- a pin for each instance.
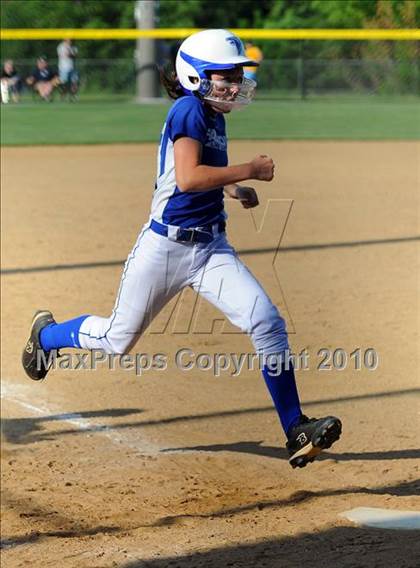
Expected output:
(19, 394)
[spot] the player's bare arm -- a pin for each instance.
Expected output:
(191, 175)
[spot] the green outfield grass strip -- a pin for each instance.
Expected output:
(125, 122)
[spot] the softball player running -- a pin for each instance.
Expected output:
(184, 241)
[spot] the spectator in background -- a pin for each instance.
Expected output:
(255, 54)
(11, 83)
(69, 78)
(43, 79)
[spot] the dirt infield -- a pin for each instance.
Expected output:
(180, 468)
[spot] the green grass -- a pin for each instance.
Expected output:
(112, 120)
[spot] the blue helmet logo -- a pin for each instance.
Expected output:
(237, 43)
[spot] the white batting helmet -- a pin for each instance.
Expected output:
(209, 50)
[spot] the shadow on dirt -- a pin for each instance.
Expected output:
(62, 526)
(31, 430)
(339, 547)
(36, 536)
(243, 252)
(255, 448)
(401, 489)
(54, 522)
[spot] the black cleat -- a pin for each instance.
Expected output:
(34, 358)
(308, 438)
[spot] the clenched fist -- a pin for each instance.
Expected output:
(262, 168)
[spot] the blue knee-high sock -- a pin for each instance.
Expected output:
(284, 393)
(57, 335)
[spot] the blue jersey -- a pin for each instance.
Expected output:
(189, 117)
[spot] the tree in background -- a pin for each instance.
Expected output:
(399, 57)
(67, 14)
(204, 14)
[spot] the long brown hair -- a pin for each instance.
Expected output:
(170, 82)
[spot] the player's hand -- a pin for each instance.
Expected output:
(262, 168)
(247, 196)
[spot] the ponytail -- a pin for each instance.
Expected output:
(170, 82)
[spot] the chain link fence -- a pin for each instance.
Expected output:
(299, 78)
(277, 79)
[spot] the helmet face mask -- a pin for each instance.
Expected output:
(232, 95)
(213, 52)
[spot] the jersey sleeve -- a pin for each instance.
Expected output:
(187, 120)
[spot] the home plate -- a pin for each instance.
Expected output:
(383, 518)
